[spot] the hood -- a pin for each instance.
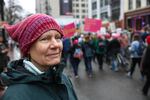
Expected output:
(17, 74)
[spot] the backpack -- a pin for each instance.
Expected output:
(78, 53)
(140, 49)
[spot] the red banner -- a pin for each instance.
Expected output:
(69, 30)
(92, 25)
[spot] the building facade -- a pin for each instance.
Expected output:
(80, 9)
(42, 6)
(55, 8)
(137, 14)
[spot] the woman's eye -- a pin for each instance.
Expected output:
(44, 39)
(58, 37)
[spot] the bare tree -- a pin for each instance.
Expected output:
(13, 12)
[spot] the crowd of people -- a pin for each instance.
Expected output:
(45, 53)
(118, 50)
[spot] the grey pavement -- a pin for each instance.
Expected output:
(104, 85)
(107, 84)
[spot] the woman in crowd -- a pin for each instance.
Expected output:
(135, 57)
(38, 75)
(145, 66)
(75, 56)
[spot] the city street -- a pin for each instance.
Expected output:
(108, 85)
(104, 85)
(83, 28)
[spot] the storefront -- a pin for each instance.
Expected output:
(137, 19)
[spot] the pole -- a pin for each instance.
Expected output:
(2, 18)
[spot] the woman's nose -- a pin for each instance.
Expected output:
(54, 43)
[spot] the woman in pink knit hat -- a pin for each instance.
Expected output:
(38, 75)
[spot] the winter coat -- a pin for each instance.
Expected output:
(3, 56)
(133, 49)
(73, 49)
(24, 85)
(100, 46)
(145, 62)
(87, 48)
(113, 47)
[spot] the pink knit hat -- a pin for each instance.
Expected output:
(30, 29)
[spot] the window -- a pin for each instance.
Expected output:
(104, 15)
(106, 2)
(77, 5)
(130, 4)
(73, 11)
(77, 16)
(94, 6)
(94, 16)
(138, 3)
(148, 2)
(83, 5)
(83, 16)
(102, 4)
(83, 11)
(77, 10)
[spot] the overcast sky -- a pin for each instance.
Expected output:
(28, 5)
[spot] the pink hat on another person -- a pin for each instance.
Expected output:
(148, 40)
(30, 29)
(75, 41)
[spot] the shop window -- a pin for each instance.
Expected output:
(138, 24)
(129, 23)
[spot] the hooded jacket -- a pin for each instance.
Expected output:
(24, 85)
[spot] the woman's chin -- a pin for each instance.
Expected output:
(54, 62)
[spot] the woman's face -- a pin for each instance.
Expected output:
(46, 51)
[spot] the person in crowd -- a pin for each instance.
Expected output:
(87, 48)
(3, 55)
(38, 74)
(113, 49)
(66, 47)
(145, 67)
(107, 41)
(3, 59)
(144, 33)
(100, 50)
(76, 55)
(135, 56)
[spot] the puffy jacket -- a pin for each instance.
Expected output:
(24, 85)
